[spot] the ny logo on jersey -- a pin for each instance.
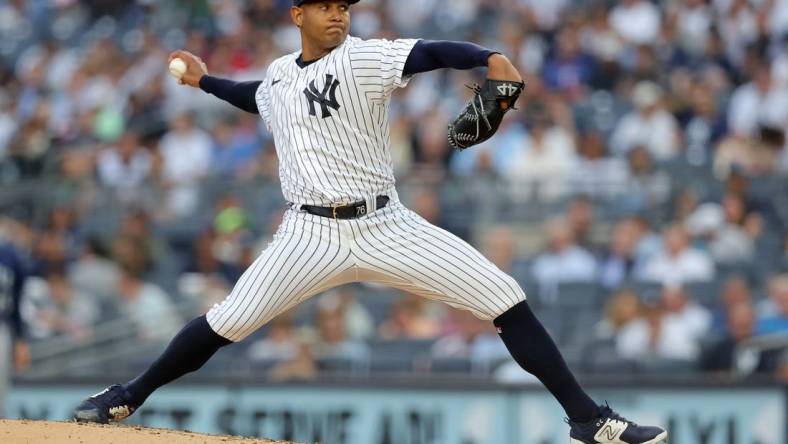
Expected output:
(326, 98)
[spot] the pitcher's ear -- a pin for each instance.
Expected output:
(297, 15)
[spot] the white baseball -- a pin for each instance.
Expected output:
(177, 68)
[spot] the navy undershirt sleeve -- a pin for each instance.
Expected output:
(238, 94)
(428, 55)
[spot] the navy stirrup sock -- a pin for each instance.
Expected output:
(533, 348)
(188, 351)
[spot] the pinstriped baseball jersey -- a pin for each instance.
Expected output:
(330, 120)
(330, 125)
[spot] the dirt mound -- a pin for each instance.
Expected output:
(35, 432)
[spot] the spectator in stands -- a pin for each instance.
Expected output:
(545, 163)
(301, 367)
(146, 307)
(8, 122)
(409, 319)
(649, 125)
(649, 243)
(735, 240)
(601, 41)
(500, 246)
(755, 155)
(694, 19)
(358, 321)
(637, 22)
(671, 331)
(735, 291)
(739, 23)
(705, 125)
(235, 149)
(469, 338)
(204, 262)
(50, 253)
(651, 340)
(563, 260)
(596, 174)
(231, 238)
(581, 217)
(125, 166)
(618, 266)
(773, 313)
(759, 102)
(186, 152)
(52, 307)
(94, 272)
(64, 222)
(678, 262)
(130, 253)
(682, 310)
(280, 344)
(31, 147)
(648, 187)
(623, 308)
(569, 70)
(494, 155)
(725, 355)
(332, 342)
(426, 204)
(431, 150)
(59, 243)
(202, 291)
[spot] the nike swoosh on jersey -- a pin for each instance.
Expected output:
(275, 82)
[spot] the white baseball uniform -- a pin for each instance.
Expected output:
(331, 130)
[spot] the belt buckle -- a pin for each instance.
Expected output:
(334, 212)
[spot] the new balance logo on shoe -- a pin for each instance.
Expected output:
(611, 431)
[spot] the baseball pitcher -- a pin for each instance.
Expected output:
(327, 108)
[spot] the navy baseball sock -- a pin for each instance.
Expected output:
(188, 351)
(533, 348)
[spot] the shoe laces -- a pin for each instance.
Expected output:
(607, 412)
(115, 396)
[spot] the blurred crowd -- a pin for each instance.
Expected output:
(642, 186)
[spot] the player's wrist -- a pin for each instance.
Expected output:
(500, 68)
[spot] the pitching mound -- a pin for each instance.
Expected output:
(35, 432)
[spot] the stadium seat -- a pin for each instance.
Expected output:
(400, 355)
(451, 366)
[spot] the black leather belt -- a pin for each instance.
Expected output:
(350, 211)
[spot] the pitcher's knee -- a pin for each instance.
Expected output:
(501, 298)
(227, 325)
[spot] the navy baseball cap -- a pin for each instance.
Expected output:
(301, 2)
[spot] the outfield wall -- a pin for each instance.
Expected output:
(428, 414)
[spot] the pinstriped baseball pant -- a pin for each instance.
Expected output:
(392, 246)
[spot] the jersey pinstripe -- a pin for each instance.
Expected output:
(334, 154)
(331, 131)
